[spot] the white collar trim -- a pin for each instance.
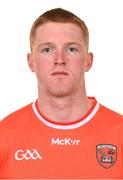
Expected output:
(65, 127)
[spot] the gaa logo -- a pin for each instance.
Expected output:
(27, 155)
(106, 155)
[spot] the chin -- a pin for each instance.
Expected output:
(60, 89)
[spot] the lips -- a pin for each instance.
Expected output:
(59, 73)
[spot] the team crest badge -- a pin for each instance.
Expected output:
(106, 155)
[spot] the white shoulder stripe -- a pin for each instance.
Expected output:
(72, 126)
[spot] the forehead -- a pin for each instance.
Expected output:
(52, 31)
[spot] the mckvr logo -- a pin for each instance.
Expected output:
(27, 154)
(65, 141)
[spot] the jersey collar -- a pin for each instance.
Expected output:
(74, 124)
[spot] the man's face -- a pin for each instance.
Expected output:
(59, 58)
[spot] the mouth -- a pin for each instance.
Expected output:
(59, 73)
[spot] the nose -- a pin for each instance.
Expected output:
(60, 58)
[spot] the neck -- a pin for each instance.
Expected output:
(63, 109)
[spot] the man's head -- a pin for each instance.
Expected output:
(59, 53)
(60, 16)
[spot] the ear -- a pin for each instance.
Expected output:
(30, 62)
(89, 61)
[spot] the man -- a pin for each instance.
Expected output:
(64, 134)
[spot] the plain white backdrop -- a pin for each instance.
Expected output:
(18, 85)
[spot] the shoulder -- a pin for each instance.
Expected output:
(12, 128)
(110, 115)
(15, 118)
(109, 111)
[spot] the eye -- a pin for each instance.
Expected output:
(46, 50)
(72, 49)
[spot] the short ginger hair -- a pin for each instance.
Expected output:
(58, 15)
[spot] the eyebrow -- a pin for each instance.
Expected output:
(76, 43)
(44, 44)
(51, 43)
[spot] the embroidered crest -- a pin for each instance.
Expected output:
(106, 155)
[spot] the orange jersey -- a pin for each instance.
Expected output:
(32, 146)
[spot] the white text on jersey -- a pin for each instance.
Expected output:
(65, 141)
(27, 154)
